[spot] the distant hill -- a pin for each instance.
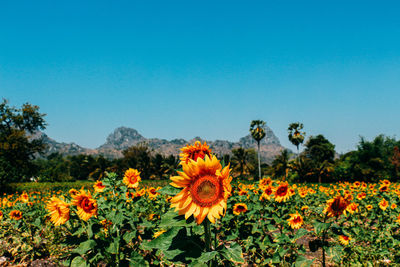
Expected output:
(124, 137)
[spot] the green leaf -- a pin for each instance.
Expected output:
(85, 247)
(78, 261)
(162, 242)
(320, 227)
(113, 247)
(128, 236)
(118, 219)
(137, 260)
(233, 253)
(37, 222)
(271, 228)
(80, 231)
(172, 219)
(169, 190)
(300, 233)
(203, 259)
(302, 261)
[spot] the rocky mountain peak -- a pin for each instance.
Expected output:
(122, 138)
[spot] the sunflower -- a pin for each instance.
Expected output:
(383, 204)
(1, 215)
(242, 192)
(59, 211)
(132, 178)
(398, 219)
(264, 182)
(393, 206)
(361, 196)
(239, 208)
(267, 193)
(16, 215)
(336, 206)
(384, 188)
(86, 205)
(295, 220)
(98, 186)
(352, 207)
(153, 192)
(195, 151)
(73, 192)
(303, 193)
(24, 197)
(282, 192)
(344, 239)
(206, 188)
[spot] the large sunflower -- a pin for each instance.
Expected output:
(195, 151)
(59, 211)
(206, 188)
(85, 204)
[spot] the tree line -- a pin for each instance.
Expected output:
(318, 162)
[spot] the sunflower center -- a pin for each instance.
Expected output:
(282, 190)
(297, 219)
(87, 205)
(240, 208)
(206, 191)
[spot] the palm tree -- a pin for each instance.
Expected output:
(257, 130)
(296, 136)
(240, 160)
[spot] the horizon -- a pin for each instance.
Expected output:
(301, 148)
(181, 70)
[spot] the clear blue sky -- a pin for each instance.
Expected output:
(179, 69)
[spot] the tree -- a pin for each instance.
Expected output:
(280, 166)
(17, 147)
(319, 149)
(296, 136)
(395, 159)
(372, 160)
(257, 130)
(138, 157)
(241, 160)
(321, 152)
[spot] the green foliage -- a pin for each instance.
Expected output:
(371, 161)
(296, 136)
(281, 165)
(17, 149)
(319, 149)
(257, 130)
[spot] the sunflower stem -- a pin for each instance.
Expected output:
(207, 232)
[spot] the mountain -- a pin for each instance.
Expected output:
(123, 137)
(53, 146)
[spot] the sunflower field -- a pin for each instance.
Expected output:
(203, 218)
